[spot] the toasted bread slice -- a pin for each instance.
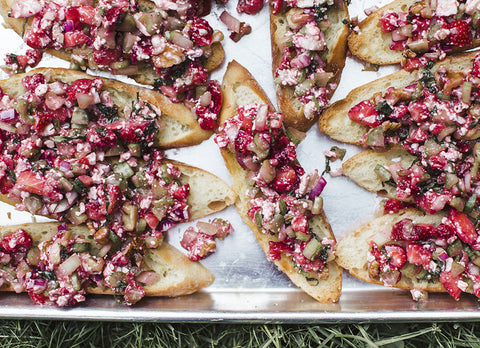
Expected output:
(353, 249)
(180, 123)
(370, 44)
(335, 121)
(240, 88)
(146, 74)
(178, 275)
(361, 169)
(334, 57)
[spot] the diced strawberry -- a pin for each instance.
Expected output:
(31, 82)
(285, 179)
(106, 56)
(451, 284)
(133, 130)
(415, 63)
(437, 162)
(398, 45)
(418, 254)
(419, 111)
(113, 197)
(38, 299)
(404, 230)
(444, 231)
(396, 256)
(94, 211)
(300, 224)
(425, 231)
(242, 141)
(181, 192)
(72, 15)
(86, 14)
(100, 136)
(36, 37)
(16, 241)
(200, 31)
(81, 86)
(460, 33)
(419, 135)
(249, 6)
(37, 184)
(393, 205)
(432, 201)
(276, 249)
(152, 220)
(388, 21)
(86, 180)
(463, 226)
(365, 114)
(75, 38)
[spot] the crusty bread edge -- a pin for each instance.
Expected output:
(327, 290)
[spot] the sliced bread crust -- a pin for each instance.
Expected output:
(353, 249)
(178, 275)
(240, 88)
(336, 39)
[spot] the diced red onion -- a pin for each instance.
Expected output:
(65, 166)
(370, 10)
(300, 61)
(7, 115)
(68, 25)
(39, 285)
(397, 35)
(317, 190)
(62, 227)
(442, 254)
(231, 22)
(165, 225)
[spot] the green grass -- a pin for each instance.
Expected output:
(97, 334)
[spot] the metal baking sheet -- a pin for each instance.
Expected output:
(248, 288)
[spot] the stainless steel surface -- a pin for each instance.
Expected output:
(248, 288)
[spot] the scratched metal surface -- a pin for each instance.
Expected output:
(248, 288)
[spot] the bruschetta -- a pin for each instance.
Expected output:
(413, 33)
(416, 251)
(58, 264)
(165, 45)
(276, 198)
(308, 51)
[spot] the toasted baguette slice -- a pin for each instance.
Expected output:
(180, 124)
(240, 88)
(208, 193)
(352, 250)
(336, 39)
(335, 121)
(178, 275)
(146, 74)
(361, 169)
(372, 45)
